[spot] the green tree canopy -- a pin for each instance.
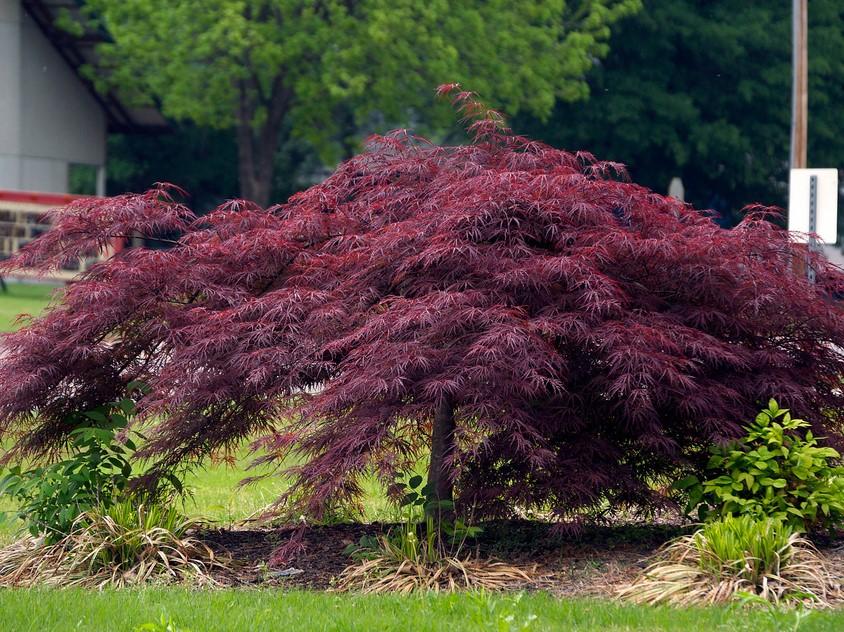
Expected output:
(703, 91)
(266, 66)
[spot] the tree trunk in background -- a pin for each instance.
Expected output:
(255, 170)
(442, 447)
(256, 146)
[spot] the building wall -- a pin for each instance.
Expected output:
(48, 119)
(10, 67)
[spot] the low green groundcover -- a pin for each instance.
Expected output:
(257, 610)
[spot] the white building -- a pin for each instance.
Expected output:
(53, 124)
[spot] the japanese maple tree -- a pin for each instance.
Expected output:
(551, 336)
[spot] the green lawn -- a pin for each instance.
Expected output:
(256, 610)
(217, 496)
(22, 298)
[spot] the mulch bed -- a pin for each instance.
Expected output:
(591, 563)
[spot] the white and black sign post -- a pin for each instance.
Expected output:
(813, 207)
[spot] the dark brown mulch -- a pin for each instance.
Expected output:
(322, 556)
(568, 565)
(590, 563)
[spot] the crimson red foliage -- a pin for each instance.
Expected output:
(589, 336)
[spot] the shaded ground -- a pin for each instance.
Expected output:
(583, 565)
(591, 563)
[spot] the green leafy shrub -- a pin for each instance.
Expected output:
(732, 557)
(420, 504)
(777, 470)
(95, 472)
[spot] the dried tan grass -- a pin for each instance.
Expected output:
(101, 552)
(684, 575)
(388, 574)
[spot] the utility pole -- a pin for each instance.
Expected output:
(800, 84)
(812, 193)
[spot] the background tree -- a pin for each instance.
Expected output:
(703, 91)
(269, 67)
(202, 160)
(548, 336)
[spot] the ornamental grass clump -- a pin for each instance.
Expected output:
(732, 557)
(545, 334)
(403, 562)
(123, 545)
(389, 569)
(427, 551)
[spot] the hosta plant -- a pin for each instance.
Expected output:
(542, 332)
(731, 557)
(777, 470)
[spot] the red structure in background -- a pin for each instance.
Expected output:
(33, 197)
(22, 220)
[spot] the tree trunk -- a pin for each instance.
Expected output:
(442, 447)
(255, 174)
(256, 146)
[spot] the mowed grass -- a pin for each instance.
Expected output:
(23, 298)
(258, 610)
(216, 493)
(19, 298)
